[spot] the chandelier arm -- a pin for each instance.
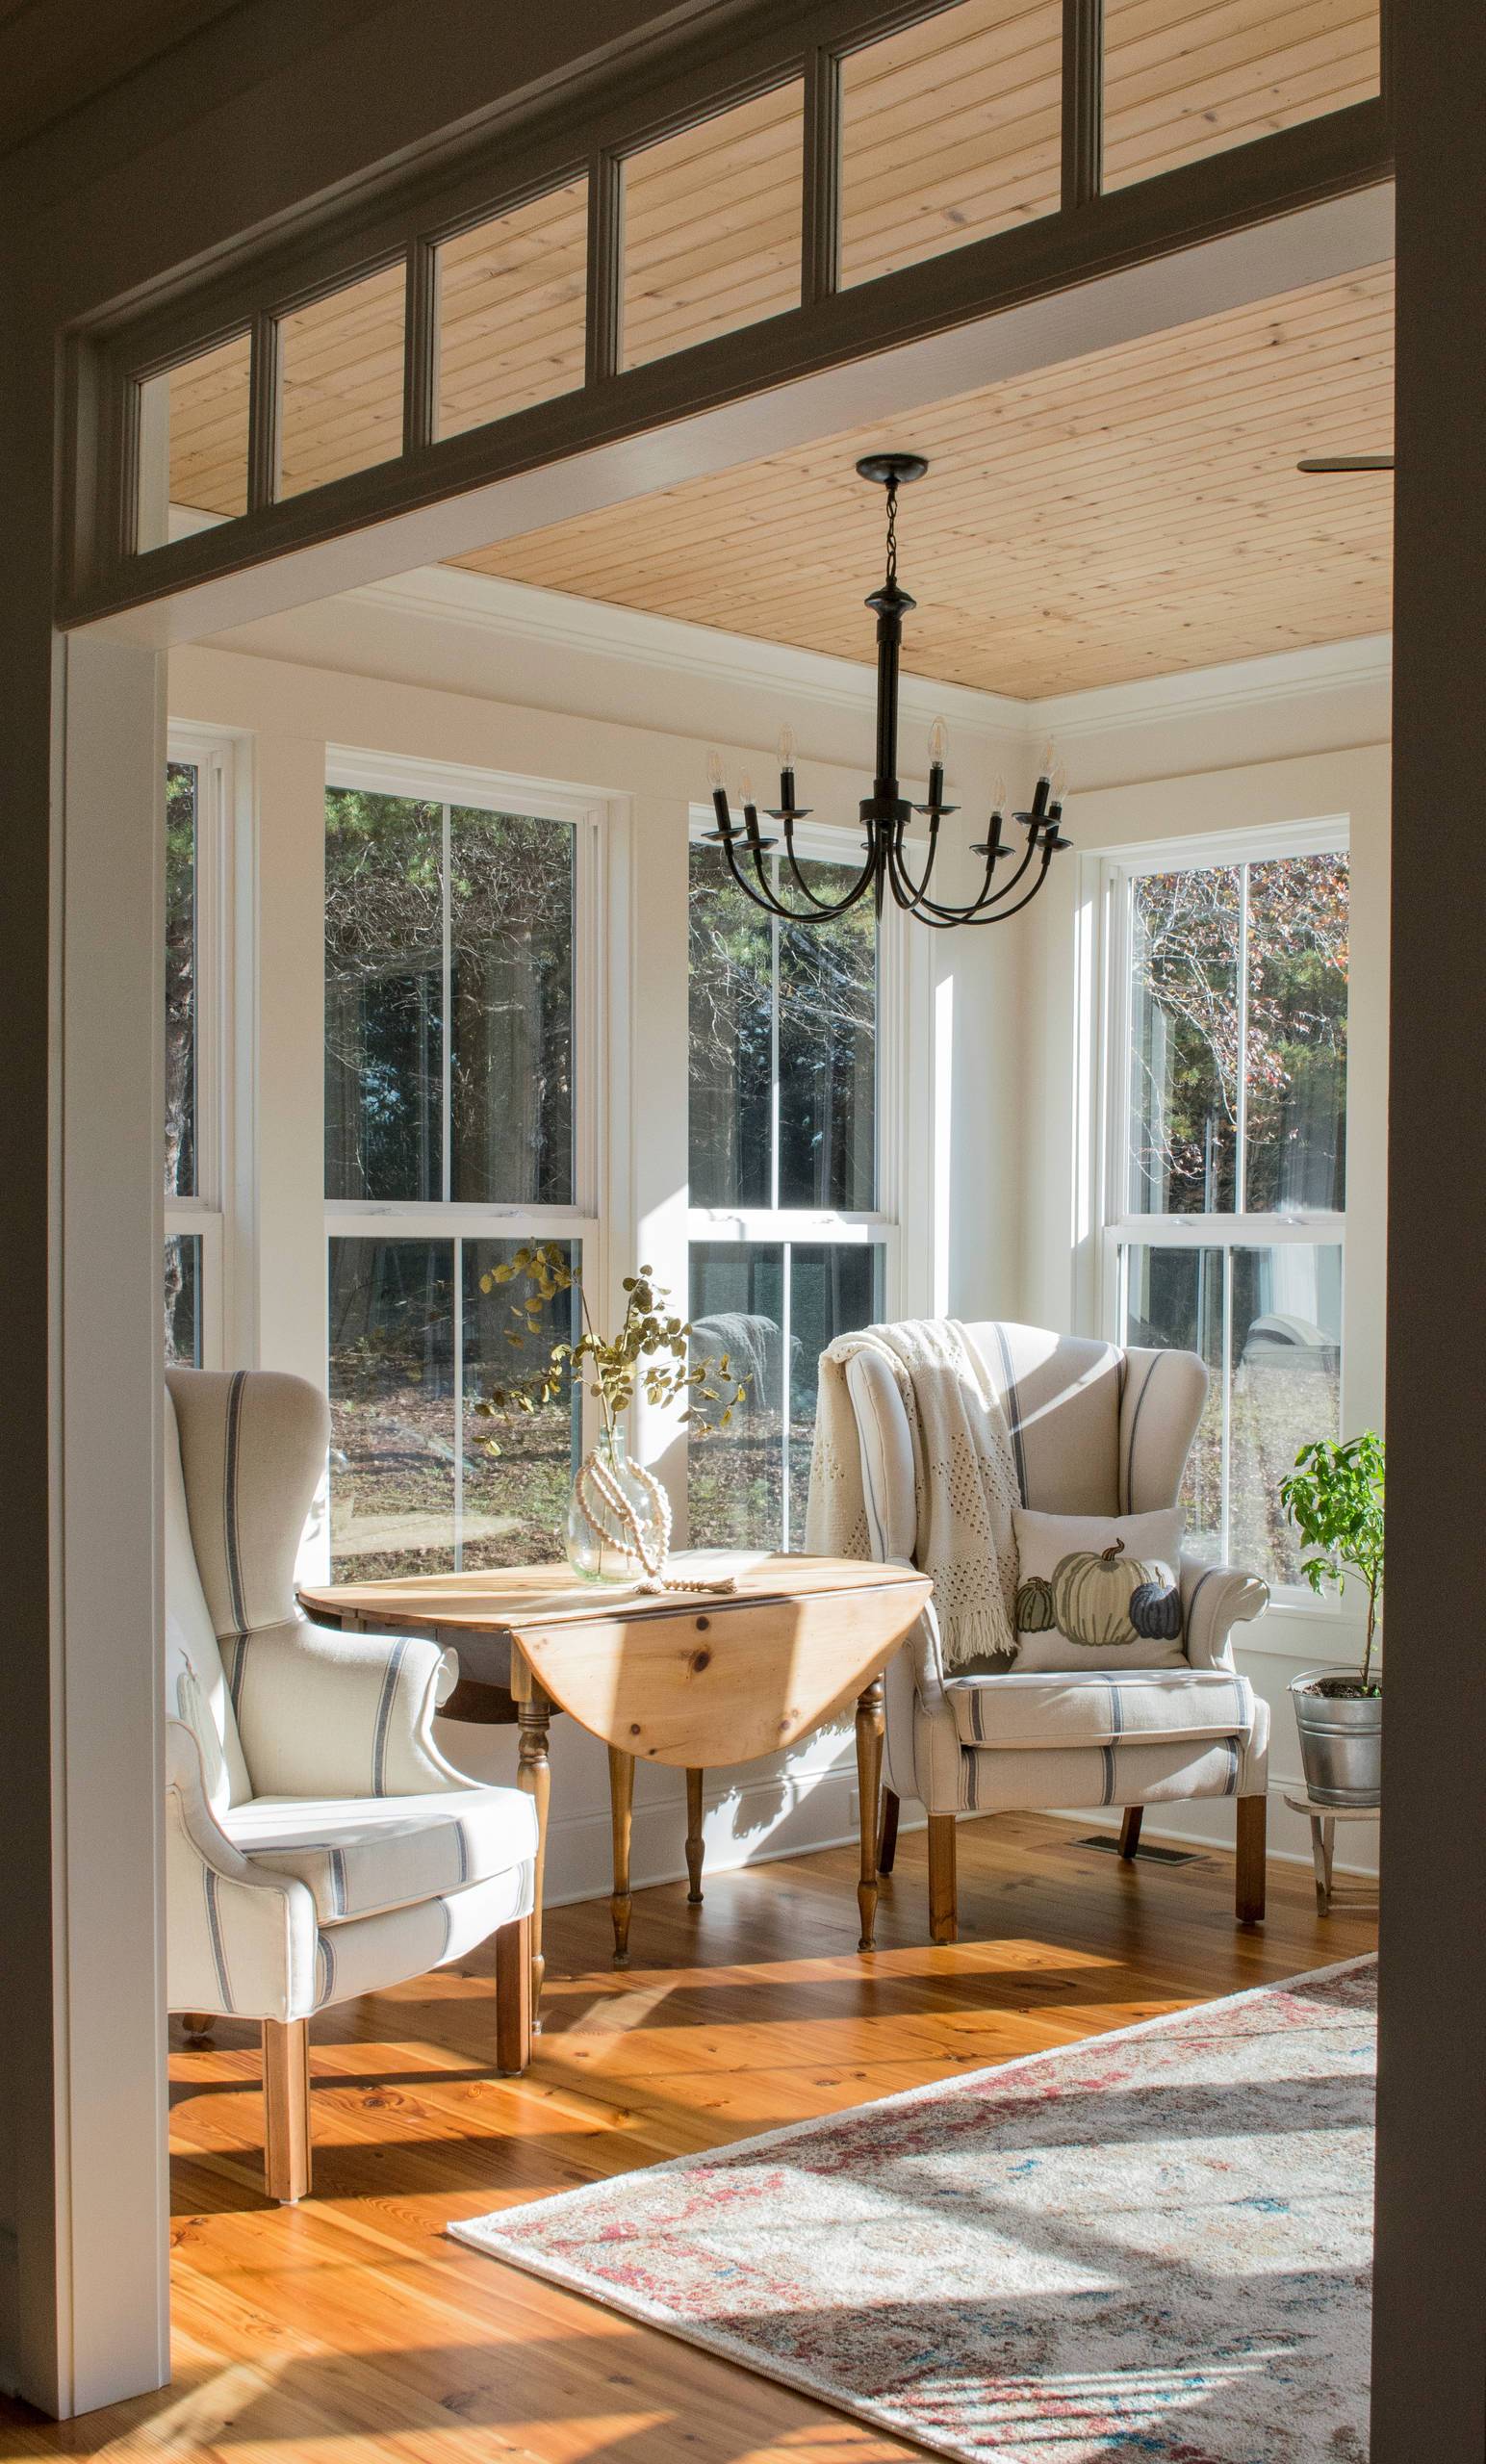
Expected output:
(997, 914)
(762, 895)
(824, 907)
(945, 919)
(905, 889)
(758, 892)
(927, 909)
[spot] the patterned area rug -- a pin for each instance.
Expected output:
(1153, 2246)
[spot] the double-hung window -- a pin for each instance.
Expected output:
(462, 980)
(791, 1244)
(198, 1044)
(1224, 1151)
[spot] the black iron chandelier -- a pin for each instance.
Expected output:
(885, 813)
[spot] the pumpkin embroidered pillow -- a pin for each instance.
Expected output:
(1098, 1590)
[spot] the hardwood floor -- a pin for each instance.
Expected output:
(351, 2328)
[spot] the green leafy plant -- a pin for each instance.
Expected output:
(1334, 1497)
(651, 1352)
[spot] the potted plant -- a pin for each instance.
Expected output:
(1334, 1497)
(619, 1517)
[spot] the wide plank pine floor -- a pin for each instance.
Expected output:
(351, 2329)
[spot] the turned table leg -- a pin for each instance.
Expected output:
(533, 1774)
(869, 1773)
(620, 1814)
(694, 1849)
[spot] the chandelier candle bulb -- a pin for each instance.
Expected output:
(786, 748)
(716, 780)
(938, 747)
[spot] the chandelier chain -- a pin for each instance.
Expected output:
(892, 531)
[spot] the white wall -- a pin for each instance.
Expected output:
(455, 668)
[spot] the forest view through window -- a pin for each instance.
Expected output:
(783, 1069)
(1228, 1222)
(449, 1059)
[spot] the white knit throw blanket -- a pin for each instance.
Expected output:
(964, 1480)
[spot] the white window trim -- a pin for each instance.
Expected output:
(600, 826)
(1105, 879)
(219, 1213)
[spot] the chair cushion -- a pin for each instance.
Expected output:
(360, 1855)
(1100, 1707)
(1073, 1612)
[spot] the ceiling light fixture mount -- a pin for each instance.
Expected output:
(886, 813)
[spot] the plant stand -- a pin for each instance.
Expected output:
(1323, 1820)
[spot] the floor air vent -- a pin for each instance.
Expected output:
(1148, 1856)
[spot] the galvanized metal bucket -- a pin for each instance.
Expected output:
(1341, 1742)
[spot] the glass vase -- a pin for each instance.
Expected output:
(601, 1546)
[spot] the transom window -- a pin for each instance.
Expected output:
(1225, 1136)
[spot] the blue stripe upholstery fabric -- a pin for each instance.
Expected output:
(252, 1451)
(1164, 1773)
(357, 1857)
(1096, 1431)
(317, 1843)
(1100, 1707)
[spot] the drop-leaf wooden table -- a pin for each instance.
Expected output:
(698, 1679)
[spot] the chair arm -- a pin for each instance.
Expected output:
(1215, 1598)
(239, 1940)
(322, 1714)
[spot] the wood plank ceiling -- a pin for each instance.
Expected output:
(1131, 513)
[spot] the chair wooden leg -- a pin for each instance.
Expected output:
(1249, 1875)
(888, 1837)
(943, 1909)
(513, 1997)
(286, 2097)
(1130, 1832)
(695, 1844)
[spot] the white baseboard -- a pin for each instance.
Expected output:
(823, 1814)
(791, 1814)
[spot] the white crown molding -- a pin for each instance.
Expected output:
(488, 604)
(1281, 676)
(451, 595)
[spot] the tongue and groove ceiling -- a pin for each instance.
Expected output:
(1133, 513)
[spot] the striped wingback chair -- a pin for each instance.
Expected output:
(1096, 1431)
(317, 1843)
